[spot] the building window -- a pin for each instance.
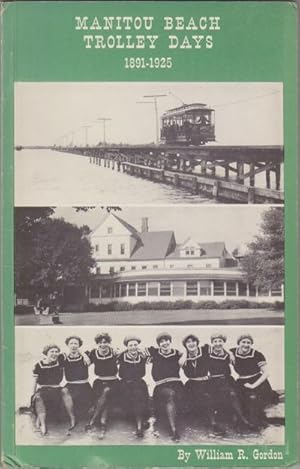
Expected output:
(165, 288)
(276, 291)
(109, 230)
(230, 288)
(187, 252)
(263, 292)
(171, 266)
(123, 289)
(131, 289)
(109, 249)
(153, 288)
(95, 291)
(192, 252)
(205, 289)
(117, 290)
(192, 288)
(111, 270)
(122, 269)
(96, 247)
(242, 289)
(98, 270)
(178, 288)
(133, 267)
(105, 291)
(190, 266)
(144, 267)
(252, 290)
(218, 288)
(122, 248)
(142, 289)
(155, 266)
(208, 266)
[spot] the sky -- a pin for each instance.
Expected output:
(204, 224)
(48, 113)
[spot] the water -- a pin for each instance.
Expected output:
(46, 177)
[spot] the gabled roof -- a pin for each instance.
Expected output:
(129, 227)
(154, 245)
(126, 225)
(189, 242)
(215, 249)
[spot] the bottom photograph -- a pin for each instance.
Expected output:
(149, 385)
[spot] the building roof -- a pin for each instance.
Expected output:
(214, 249)
(153, 245)
(129, 227)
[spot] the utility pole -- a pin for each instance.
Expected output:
(86, 127)
(154, 101)
(104, 120)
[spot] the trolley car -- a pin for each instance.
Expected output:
(191, 124)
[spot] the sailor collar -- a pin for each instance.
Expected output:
(199, 354)
(217, 357)
(104, 357)
(48, 365)
(168, 355)
(250, 354)
(129, 359)
(74, 359)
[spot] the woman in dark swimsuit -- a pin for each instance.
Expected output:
(48, 395)
(253, 386)
(105, 386)
(168, 386)
(133, 389)
(221, 384)
(195, 367)
(77, 375)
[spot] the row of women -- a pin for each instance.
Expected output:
(210, 387)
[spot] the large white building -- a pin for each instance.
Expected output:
(147, 265)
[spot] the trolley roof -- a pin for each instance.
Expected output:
(186, 108)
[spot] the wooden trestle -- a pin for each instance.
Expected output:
(198, 168)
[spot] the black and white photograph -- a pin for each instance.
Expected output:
(158, 143)
(118, 385)
(149, 265)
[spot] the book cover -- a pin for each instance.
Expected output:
(149, 234)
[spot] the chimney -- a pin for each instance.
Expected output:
(145, 226)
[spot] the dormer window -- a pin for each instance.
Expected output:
(109, 230)
(190, 252)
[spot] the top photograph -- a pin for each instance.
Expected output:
(148, 143)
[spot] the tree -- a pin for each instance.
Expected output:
(50, 253)
(264, 262)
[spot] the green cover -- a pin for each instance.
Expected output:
(256, 42)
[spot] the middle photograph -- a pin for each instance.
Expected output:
(149, 265)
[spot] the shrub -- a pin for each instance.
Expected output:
(234, 304)
(24, 309)
(208, 304)
(278, 306)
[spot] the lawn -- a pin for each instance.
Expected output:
(175, 317)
